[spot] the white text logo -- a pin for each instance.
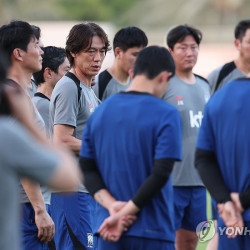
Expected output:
(206, 230)
(195, 120)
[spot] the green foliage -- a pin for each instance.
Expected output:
(98, 10)
(95, 10)
(142, 13)
(28, 10)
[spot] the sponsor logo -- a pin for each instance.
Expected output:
(179, 100)
(91, 109)
(195, 119)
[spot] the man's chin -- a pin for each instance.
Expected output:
(37, 69)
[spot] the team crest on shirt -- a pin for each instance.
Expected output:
(179, 100)
(90, 240)
(91, 109)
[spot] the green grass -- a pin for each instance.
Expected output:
(203, 245)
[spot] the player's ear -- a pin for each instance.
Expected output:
(237, 44)
(73, 54)
(131, 73)
(48, 72)
(164, 76)
(171, 51)
(17, 54)
(118, 52)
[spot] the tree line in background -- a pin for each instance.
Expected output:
(143, 13)
(92, 10)
(99, 10)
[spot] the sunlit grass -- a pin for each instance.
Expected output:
(203, 245)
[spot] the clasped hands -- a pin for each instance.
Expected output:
(118, 222)
(231, 214)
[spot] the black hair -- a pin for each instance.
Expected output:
(130, 37)
(80, 38)
(241, 28)
(4, 65)
(53, 57)
(37, 31)
(16, 34)
(152, 60)
(179, 33)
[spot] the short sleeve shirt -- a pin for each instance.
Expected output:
(124, 136)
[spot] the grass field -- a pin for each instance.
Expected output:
(202, 246)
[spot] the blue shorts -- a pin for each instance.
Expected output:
(241, 242)
(190, 207)
(72, 214)
(29, 229)
(130, 242)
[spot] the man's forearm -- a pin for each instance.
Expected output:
(64, 134)
(154, 183)
(72, 143)
(129, 209)
(93, 180)
(104, 198)
(33, 191)
(245, 199)
(44, 223)
(208, 168)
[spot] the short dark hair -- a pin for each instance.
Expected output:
(241, 28)
(130, 37)
(152, 60)
(53, 57)
(80, 38)
(37, 31)
(4, 65)
(179, 33)
(16, 34)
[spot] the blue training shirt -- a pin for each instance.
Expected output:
(225, 131)
(124, 136)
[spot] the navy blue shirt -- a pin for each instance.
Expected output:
(225, 131)
(124, 136)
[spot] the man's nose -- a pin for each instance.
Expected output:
(97, 56)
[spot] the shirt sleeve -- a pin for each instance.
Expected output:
(42, 106)
(169, 137)
(22, 154)
(66, 105)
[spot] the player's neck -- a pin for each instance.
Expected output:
(20, 76)
(243, 65)
(120, 75)
(141, 84)
(86, 80)
(186, 76)
(46, 89)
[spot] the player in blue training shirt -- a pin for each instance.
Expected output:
(128, 150)
(223, 159)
